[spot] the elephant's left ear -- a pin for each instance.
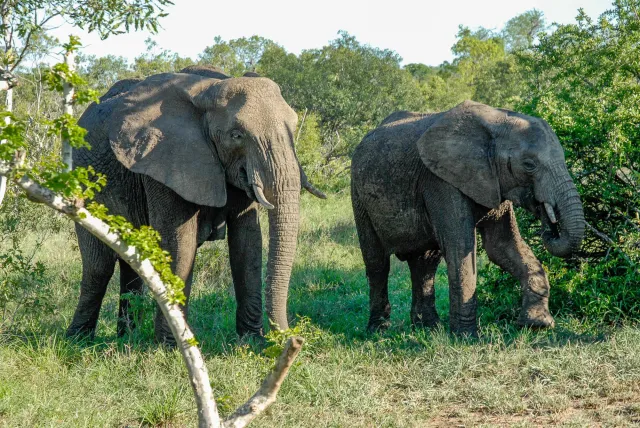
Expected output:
(459, 149)
(158, 130)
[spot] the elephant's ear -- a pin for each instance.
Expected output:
(158, 131)
(459, 148)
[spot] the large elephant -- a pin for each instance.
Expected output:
(423, 183)
(192, 154)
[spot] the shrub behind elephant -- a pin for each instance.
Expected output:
(423, 183)
(191, 154)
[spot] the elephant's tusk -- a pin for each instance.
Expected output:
(550, 213)
(263, 201)
(313, 190)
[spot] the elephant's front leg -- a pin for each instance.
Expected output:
(506, 248)
(177, 222)
(245, 257)
(453, 219)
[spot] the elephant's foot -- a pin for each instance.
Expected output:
(249, 333)
(249, 327)
(464, 330)
(426, 319)
(537, 316)
(80, 332)
(378, 324)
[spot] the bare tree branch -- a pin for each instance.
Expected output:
(300, 127)
(266, 395)
(604, 237)
(27, 43)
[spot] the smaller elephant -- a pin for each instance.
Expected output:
(422, 184)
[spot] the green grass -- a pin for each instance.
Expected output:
(575, 375)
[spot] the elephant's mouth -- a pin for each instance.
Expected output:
(549, 218)
(253, 190)
(258, 195)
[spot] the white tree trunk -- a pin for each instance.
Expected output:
(7, 120)
(6, 86)
(67, 105)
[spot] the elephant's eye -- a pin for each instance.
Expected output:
(236, 134)
(529, 165)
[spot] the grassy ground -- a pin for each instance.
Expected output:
(575, 375)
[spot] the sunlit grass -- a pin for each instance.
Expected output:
(577, 374)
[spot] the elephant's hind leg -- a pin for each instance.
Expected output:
(423, 274)
(376, 261)
(98, 263)
(506, 248)
(177, 222)
(130, 283)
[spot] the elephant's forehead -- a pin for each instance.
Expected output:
(261, 114)
(251, 87)
(264, 118)
(531, 129)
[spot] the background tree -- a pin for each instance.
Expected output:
(236, 56)
(521, 32)
(156, 60)
(584, 79)
(350, 86)
(24, 21)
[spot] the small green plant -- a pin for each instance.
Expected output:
(163, 408)
(141, 308)
(25, 293)
(277, 338)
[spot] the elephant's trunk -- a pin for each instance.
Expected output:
(282, 190)
(283, 235)
(565, 239)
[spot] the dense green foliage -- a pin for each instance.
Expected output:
(584, 79)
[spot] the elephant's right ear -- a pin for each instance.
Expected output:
(458, 148)
(158, 131)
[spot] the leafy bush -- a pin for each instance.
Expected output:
(25, 294)
(601, 291)
(583, 79)
(319, 162)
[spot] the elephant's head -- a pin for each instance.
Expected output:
(492, 155)
(197, 134)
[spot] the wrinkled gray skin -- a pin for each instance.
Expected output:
(191, 154)
(423, 183)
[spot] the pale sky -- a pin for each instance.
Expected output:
(420, 31)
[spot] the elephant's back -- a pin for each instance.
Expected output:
(390, 146)
(386, 173)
